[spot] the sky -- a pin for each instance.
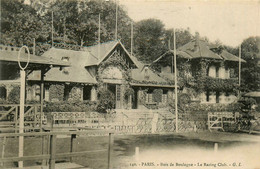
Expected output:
(227, 21)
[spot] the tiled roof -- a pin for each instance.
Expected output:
(230, 57)
(79, 60)
(138, 78)
(76, 73)
(200, 49)
(12, 56)
(197, 49)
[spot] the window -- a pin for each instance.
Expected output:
(87, 92)
(207, 96)
(65, 59)
(217, 97)
(2, 92)
(217, 71)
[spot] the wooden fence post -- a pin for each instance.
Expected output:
(3, 150)
(52, 151)
(110, 150)
(215, 147)
(71, 145)
(15, 118)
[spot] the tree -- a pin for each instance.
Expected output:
(183, 36)
(250, 49)
(149, 39)
(20, 23)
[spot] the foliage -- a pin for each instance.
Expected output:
(70, 106)
(250, 73)
(247, 103)
(75, 93)
(75, 22)
(20, 24)
(56, 92)
(157, 95)
(148, 39)
(197, 107)
(117, 61)
(106, 100)
(129, 92)
(183, 36)
(14, 95)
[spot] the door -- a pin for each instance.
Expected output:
(118, 96)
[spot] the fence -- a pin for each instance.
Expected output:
(9, 117)
(52, 155)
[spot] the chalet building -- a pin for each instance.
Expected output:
(9, 69)
(207, 73)
(108, 65)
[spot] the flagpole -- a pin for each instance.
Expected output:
(99, 36)
(175, 81)
(132, 38)
(52, 29)
(239, 67)
(116, 20)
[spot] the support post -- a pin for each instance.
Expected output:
(3, 150)
(73, 136)
(137, 153)
(41, 113)
(215, 147)
(21, 120)
(52, 151)
(15, 118)
(110, 150)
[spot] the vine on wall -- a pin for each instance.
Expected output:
(56, 92)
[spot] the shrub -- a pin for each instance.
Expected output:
(106, 100)
(14, 95)
(157, 95)
(70, 106)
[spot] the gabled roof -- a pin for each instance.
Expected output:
(105, 50)
(76, 73)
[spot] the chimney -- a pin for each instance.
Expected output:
(196, 45)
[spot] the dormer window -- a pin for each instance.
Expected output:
(146, 73)
(65, 59)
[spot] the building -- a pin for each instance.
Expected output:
(207, 73)
(9, 68)
(108, 65)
